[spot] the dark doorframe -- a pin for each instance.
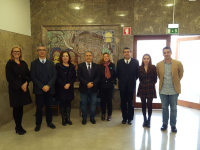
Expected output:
(148, 37)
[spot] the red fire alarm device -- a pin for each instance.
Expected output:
(127, 30)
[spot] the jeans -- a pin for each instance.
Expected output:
(166, 101)
(91, 98)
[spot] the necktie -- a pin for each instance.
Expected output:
(127, 62)
(43, 61)
(89, 70)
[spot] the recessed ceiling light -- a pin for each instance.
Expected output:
(77, 7)
(122, 25)
(89, 21)
(169, 5)
(122, 15)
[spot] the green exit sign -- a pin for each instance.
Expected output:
(172, 30)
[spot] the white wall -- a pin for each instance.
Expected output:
(15, 16)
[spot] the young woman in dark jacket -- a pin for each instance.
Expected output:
(106, 84)
(66, 76)
(146, 91)
(18, 77)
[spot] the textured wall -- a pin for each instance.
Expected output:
(100, 12)
(151, 17)
(7, 40)
(146, 17)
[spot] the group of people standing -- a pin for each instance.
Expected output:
(51, 81)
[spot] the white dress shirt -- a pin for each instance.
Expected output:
(127, 60)
(88, 65)
(42, 60)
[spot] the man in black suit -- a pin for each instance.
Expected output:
(127, 73)
(88, 75)
(43, 75)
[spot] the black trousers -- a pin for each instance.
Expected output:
(65, 103)
(41, 100)
(106, 95)
(127, 98)
(17, 115)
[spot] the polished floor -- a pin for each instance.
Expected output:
(105, 135)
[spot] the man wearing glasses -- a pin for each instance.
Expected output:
(170, 73)
(43, 75)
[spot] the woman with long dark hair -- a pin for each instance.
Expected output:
(18, 77)
(66, 76)
(146, 91)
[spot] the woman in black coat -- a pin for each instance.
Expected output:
(146, 91)
(18, 77)
(66, 76)
(106, 84)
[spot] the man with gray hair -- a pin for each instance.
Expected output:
(88, 75)
(43, 75)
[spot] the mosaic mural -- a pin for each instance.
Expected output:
(78, 42)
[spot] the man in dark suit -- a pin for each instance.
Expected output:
(127, 73)
(88, 75)
(43, 75)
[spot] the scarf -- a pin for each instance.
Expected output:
(107, 70)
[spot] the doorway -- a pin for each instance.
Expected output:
(185, 49)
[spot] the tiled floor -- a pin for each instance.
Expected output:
(105, 135)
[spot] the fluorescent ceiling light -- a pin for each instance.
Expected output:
(173, 25)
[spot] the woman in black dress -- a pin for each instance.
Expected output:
(106, 84)
(66, 76)
(18, 77)
(146, 91)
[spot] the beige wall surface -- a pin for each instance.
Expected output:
(15, 16)
(7, 40)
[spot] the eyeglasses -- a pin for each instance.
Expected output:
(41, 50)
(16, 51)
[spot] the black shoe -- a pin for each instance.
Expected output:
(164, 127)
(23, 130)
(145, 122)
(130, 122)
(148, 122)
(174, 129)
(19, 131)
(51, 125)
(93, 121)
(124, 121)
(37, 128)
(84, 121)
(68, 121)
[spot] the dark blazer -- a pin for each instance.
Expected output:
(84, 78)
(127, 79)
(104, 82)
(63, 78)
(16, 77)
(37, 76)
(148, 80)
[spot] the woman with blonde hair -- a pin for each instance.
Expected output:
(18, 77)
(106, 84)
